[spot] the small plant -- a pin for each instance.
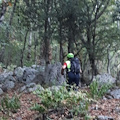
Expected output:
(81, 108)
(87, 117)
(104, 88)
(11, 67)
(94, 89)
(98, 91)
(10, 104)
(3, 118)
(75, 101)
(39, 108)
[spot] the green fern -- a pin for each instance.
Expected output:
(38, 108)
(76, 102)
(10, 104)
(97, 91)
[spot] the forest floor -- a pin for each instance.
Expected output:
(102, 107)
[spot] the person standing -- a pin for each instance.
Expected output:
(73, 70)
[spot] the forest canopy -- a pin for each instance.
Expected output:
(31, 30)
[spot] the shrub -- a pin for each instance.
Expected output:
(75, 101)
(10, 104)
(3, 118)
(97, 91)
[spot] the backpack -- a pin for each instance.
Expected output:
(75, 65)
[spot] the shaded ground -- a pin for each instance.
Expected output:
(109, 107)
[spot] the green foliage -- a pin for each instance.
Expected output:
(3, 118)
(87, 117)
(11, 67)
(94, 88)
(98, 91)
(10, 104)
(38, 108)
(81, 108)
(75, 101)
(92, 29)
(28, 63)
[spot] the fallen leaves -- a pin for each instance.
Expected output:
(109, 107)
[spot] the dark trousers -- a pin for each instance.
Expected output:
(73, 78)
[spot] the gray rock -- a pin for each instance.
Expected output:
(53, 74)
(104, 78)
(31, 87)
(101, 117)
(54, 88)
(18, 118)
(22, 89)
(19, 72)
(40, 68)
(39, 78)
(10, 78)
(117, 110)
(115, 93)
(1, 91)
(29, 74)
(8, 85)
(5, 75)
(0, 85)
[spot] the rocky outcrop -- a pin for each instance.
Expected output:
(53, 74)
(115, 93)
(30, 77)
(104, 78)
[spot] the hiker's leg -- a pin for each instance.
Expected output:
(77, 79)
(70, 79)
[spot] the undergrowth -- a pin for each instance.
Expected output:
(76, 102)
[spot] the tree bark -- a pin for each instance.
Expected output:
(22, 51)
(61, 48)
(29, 46)
(35, 49)
(11, 18)
(46, 34)
(3, 11)
(108, 59)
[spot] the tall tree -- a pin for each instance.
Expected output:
(92, 13)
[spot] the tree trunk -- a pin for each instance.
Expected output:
(46, 34)
(2, 12)
(22, 51)
(11, 18)
(61, 48)
(35, 49)
(108, 64)
(29, 46)
(70, 40)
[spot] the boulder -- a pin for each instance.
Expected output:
(8, 85)
(1, 91)
(30, 88)
(29, 74)
(53, 74)
(5, 75)
(18, 72)
(104, 78)
(115, 93)
(39, 68)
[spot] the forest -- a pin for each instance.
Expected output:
(41, 33)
